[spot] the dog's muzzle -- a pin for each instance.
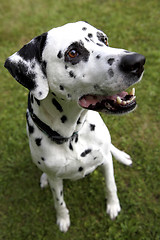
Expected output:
(132, 65)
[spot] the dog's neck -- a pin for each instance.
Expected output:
(61, 115)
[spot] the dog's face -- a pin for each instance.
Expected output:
(76, 62)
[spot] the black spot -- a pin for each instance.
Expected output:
(84, 28)
(99, 44)
(40, 93)
(79, 121)
(39, 162)
(61, 87)
(69, 95)
(61, 193)
(83, 53)
(61, 203)
(87, 39)
(42, 158)
(92, 127)
(76, 138)
(59, 55)
(80, 169)
(83, 154)
(63, 119)
(57, 105)
(57, 199)
(66, 66)
(31, 98)
(90, 35)
(101, 37)
(110, 72)
(70, 147)
(30, 129)
(54, 94)
(71, 74)
(38, 141)
(98, 56)
(37, 101)
(94, 158)
(127, 51)
(110, 61)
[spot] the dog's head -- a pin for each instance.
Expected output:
(76, 62)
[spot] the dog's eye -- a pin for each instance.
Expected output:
(73, 53)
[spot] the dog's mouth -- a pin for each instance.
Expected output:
(119, 103)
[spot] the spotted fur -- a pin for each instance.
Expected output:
(66, 140)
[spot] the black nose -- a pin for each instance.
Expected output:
(133, 63)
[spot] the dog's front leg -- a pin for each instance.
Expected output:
(113, 205)
(63, 219)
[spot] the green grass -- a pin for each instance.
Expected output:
(27, 212)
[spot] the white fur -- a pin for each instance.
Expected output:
(59, 161)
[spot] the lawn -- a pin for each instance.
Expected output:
(26, 211)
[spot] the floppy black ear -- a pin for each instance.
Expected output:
(28, 67)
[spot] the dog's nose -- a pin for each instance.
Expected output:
(133, 63)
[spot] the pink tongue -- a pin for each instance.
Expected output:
(87, 100)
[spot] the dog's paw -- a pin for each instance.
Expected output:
(43, 180)
(63, 223)
(113, 208)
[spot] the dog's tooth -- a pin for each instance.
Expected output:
(124, 102)
(132, 92)
(119, 101)
(131, 100)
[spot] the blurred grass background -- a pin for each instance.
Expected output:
(27, 212)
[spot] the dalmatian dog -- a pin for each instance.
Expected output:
(72, 74)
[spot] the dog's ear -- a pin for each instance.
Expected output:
(28, 67)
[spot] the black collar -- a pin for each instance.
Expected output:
(53, 135)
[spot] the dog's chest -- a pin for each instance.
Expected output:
(70, 160)
(74, 159)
